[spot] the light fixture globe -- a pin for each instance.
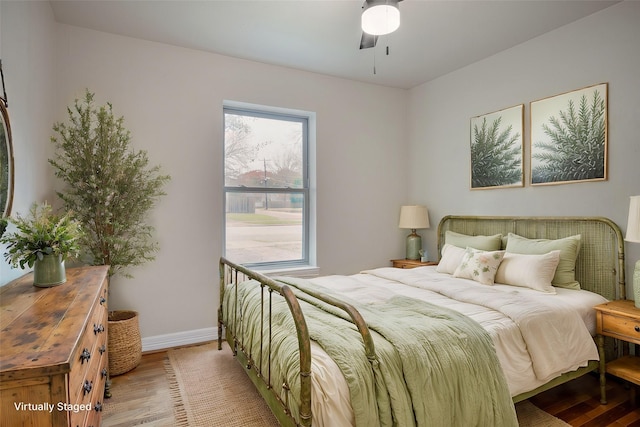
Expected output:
(380, 18)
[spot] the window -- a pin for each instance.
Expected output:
(266, 187)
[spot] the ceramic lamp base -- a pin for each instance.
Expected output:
(414, 244)
(636, 284)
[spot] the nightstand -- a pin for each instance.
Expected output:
(411, 263)
(620, 320)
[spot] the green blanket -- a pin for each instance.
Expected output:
(435, 367)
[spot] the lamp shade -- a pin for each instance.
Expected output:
(633, 226)
(380, 17)
(414, 217)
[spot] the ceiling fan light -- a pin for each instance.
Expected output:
(381, 19)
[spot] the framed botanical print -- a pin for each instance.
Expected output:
(497, 149)
(569, 137)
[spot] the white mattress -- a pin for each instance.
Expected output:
(330, 393)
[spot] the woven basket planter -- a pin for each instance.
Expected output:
(125, 344)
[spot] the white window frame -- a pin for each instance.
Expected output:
(304, 267)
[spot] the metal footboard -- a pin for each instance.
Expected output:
(231, 273)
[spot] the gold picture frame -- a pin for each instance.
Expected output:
(497, 155)
(569, 137)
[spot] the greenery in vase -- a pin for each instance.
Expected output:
(110, 186)
(42, 233)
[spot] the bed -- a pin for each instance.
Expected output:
(374, 364)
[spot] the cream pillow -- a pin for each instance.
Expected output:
(529, 271)
(565, 276)
(451, 258)
(480, 266)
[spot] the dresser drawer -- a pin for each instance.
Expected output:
(622, 327)
(94, 416)
(90, 355)
(78, 413)
(83, 387)
(90, 402)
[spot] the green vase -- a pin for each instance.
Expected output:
(49, 271)
(636, 284)
(414, 244)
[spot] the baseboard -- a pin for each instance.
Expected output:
(177, 339)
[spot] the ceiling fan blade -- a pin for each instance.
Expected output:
(368, 40)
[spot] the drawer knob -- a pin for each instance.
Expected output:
(104, 372)
(102, 300)
(637, 328)
(98, 407)
(97, 329)
(85, 356)
(86, 388)
(102, 349)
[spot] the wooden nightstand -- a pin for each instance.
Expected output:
(411, 263)
(620, 320)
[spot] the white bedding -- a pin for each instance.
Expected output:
(537, 336)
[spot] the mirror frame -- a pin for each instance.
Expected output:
(5, 210)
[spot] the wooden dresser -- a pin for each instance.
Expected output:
(53, 350)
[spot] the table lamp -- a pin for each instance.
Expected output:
(414, 217)
(633, 235)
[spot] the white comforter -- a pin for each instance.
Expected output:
(537, 336)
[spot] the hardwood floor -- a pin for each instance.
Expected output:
(141, 397)
(578, 403)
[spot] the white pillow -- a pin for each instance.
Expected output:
(529, 271)
(569, 248)
(451, 258)
(478, 265)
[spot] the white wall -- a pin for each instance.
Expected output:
(603, 47)
(172, 99)
(27, 43)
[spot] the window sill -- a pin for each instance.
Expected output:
(303, 272)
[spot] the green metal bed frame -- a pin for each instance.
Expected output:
(261, 375)
(599, 268)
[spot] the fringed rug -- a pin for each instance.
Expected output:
(209, 388)
(530, 415)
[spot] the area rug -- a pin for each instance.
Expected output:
(530, 415)
(210, 389)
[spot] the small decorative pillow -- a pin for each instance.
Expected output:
(529, 271)
(480, 266)
(451, 259)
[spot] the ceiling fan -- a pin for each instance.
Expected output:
(379, 17)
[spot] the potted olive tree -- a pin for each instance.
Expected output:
(112, 188)
(43, 240)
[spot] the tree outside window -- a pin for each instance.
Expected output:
(266, 190)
